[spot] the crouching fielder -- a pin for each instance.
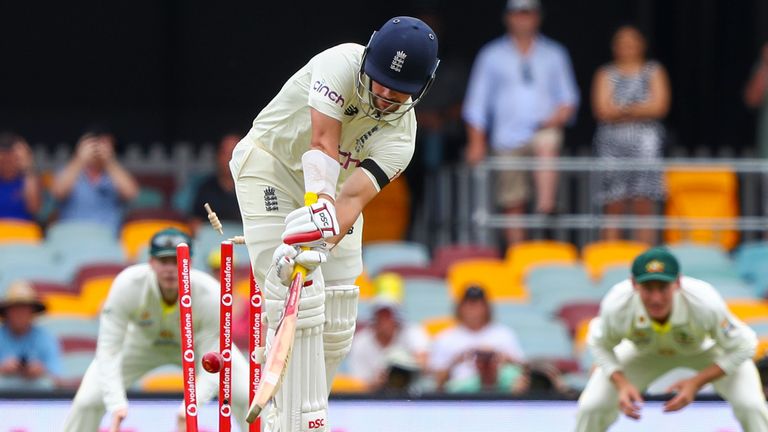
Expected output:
(139, 331)
(341, 127)
(658, 321)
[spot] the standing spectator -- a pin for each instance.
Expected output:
(455, 351)
(629, 98)
(20, 196)
(29, 354)
(521, 94)
(218, 189)
(756, 96)
(93, 186)
(380, 348)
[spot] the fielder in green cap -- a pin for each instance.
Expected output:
(658, 320)
(139, 331)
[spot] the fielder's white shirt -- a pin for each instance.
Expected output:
(328, 84)
(136, 321)
(368, 359)
(699, 320)
(455, 341)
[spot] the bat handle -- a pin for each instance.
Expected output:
(309, 199)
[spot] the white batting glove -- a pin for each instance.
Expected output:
(286, 257)
(310, 225)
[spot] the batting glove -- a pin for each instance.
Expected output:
(310, 225)
(286, 257)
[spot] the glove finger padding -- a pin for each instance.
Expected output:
(309, 225)
(286, 257)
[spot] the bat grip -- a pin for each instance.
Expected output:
(309, 199)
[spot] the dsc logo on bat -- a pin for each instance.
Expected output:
(317, 423)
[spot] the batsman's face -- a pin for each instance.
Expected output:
(657, 297)
(386, 99)
(167, 275)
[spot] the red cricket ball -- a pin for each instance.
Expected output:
(212, 362)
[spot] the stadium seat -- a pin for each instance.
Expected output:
(526, 256)
(367, 290)
(760, 326)
(574, 313)
(749, 310)
(601, 255)
(77, 344)
(548, 340)
(434, 326)
(14, 254)
(751, 263)
(694, 193)
(43, 288)
(148, 197)
(136, 234)
(612, 276)
(580, 336)
(515, 315)
(94, 271)
(68, 326)
(74, 365)
(762, 348)
(19, 231)
(445, 256)
(343, 383)
(493, 275)
(553, 286)
(183, 197)
(72, 260)
(413, 271)
(161, 185)
(378, 255)
(64, 234)
(163, 380)
(704, 261)
(426, 298)
(388, 214)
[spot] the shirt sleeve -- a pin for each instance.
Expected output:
(390, 155)
(477, 102)
(566, 92)
(331, 75)
(601, 341)
(50, 353)
(115, 316)
(737, 340)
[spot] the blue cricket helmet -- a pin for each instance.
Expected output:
(402, 56)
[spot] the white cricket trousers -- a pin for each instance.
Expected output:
(88, 406)
(599, 402)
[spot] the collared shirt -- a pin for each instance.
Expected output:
(12, 203)
(510, 94)
(368, 359)
(382, 148)
(93, 200)
(37, 345)
(699, 320)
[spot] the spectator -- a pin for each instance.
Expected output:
(93, 186)
(218, 189)
(455, 352)
(756, 96)
(29, 354)
(20, 196)
(388, 353)
(521, 94)
(629, 98)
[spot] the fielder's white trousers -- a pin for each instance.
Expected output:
(599, 403)
(88, 406)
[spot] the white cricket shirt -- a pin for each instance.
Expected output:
(328, 84)
(699, 320)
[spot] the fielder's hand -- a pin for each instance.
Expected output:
(630, 401)
(310, 225)
(685, 393)
(286, 257)
(117, 418)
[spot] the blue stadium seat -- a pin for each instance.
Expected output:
(71, 260)
(517, 315)
(426, 298)
(760, 327)
(549, 340)
(68, 233)
(751, 261)
(378, 255)
(61, 326)
(552, 286)
(75, 364)
(702, 261)
(148, 197)
(612, 276)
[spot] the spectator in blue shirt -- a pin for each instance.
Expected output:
(93, 186)
(29, 354)
(19, 183)
(521, 94)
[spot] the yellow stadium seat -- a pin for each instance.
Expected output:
(62, 304)
(749, 310)
(136, 234)
(599, 256)
(163, 382)
(388, 214)
(762, 348)
(433, 326)
(580, 338)
(526, 256)
(348, 384)
(702, 194)
(367, 289)
(493, 275)
(94, 292)
(243, 288)
(19, 231)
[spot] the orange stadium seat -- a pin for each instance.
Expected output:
(749, 310)
(526, 256)
(599, 256)
(343, 383)
(19, 231)
(702, 194)
(493, 275)
(136, 234)
(433, 326)
(163, 382)
(367, 289)
(63, 304)
(762, 349)
(387, 216)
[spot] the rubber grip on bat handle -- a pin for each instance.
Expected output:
(309, 199)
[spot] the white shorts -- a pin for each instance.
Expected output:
(266, 192)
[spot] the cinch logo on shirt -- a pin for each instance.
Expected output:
(336, 98)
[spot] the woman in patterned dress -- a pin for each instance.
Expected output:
(630, 97)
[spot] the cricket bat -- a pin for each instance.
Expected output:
(280, 352)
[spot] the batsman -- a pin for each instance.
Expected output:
(342, 127)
